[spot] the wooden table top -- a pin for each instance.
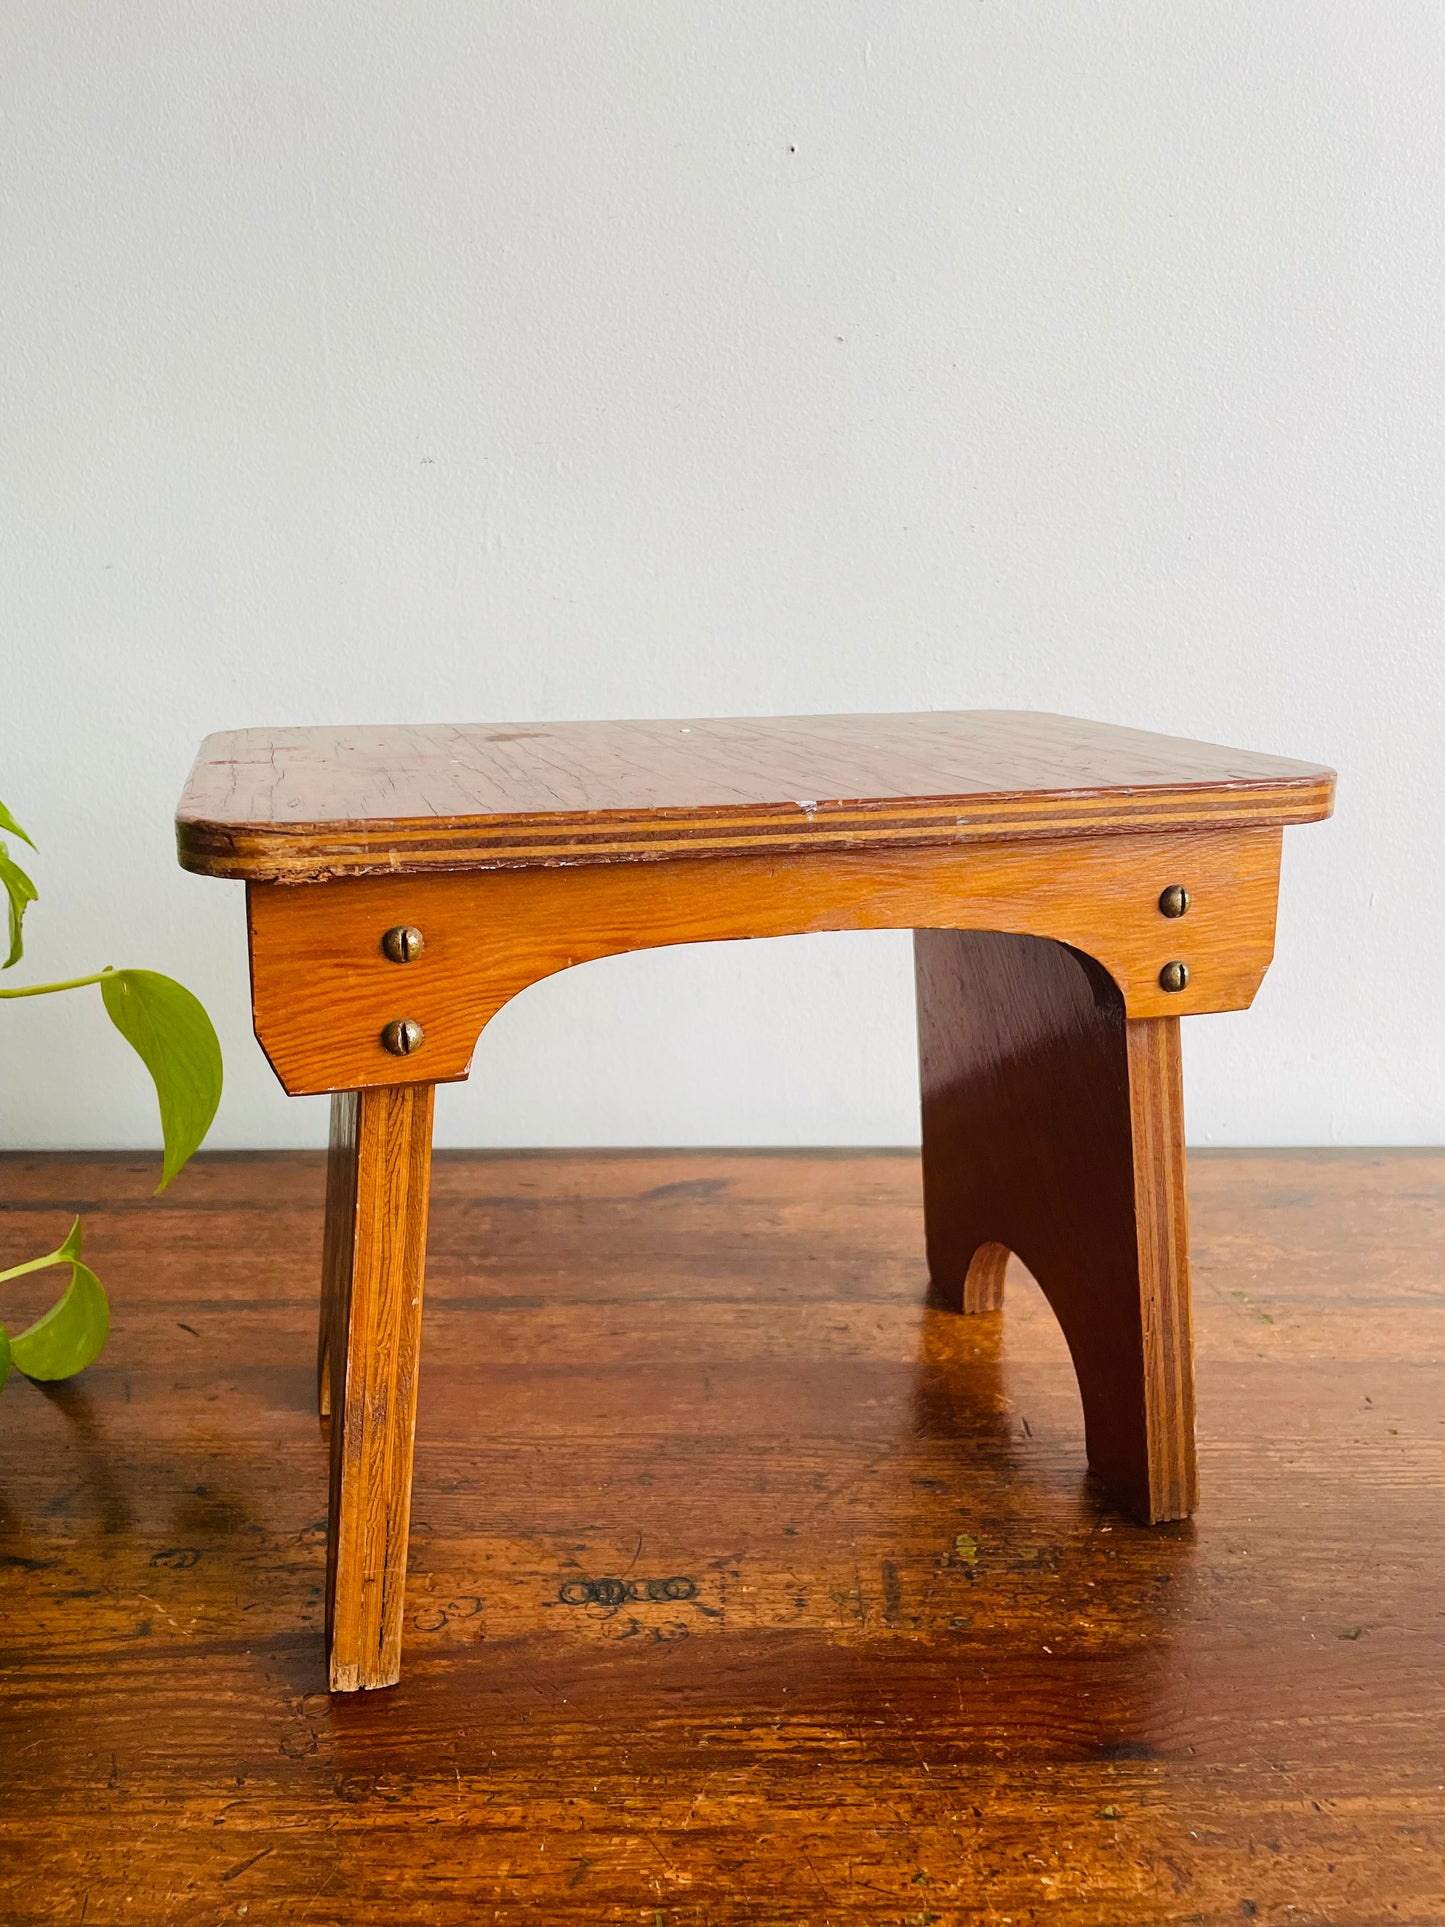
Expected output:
(301, 805)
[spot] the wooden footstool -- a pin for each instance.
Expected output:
(1073, 890)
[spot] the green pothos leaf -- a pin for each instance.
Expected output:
(177, 1043)
(65, 1339)
(19, 892)
(7, 822)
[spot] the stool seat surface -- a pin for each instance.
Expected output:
(302, 805)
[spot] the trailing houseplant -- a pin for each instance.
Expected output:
(175, 1040)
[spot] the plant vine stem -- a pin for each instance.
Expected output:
(35, 1264)
(44, 990)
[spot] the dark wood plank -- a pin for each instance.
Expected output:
(918, 1667)
(294, 805)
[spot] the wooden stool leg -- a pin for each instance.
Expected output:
(371, 1335)
(339, 1236)
(1053, 1127)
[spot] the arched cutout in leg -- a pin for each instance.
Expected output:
(983, 1280)
(1053, 1127)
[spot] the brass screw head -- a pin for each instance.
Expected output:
(1174, 976)
(1174, 901)
(404, 944)
(403, 1036)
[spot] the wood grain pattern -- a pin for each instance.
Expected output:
(926, 1668)
(302, 805)
(324, 991)
(373, 1338)
(1053, 1128)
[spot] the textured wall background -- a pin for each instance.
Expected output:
(436, 360)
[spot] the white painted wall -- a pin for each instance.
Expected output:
(431, 360)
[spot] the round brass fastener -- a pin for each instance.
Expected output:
(1174, 976)
(404, 944)
(403, 1037)
(1174, 901)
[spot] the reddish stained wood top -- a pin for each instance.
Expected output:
(302, 804)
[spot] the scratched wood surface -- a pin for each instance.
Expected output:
(294, 805)
(745, 1589)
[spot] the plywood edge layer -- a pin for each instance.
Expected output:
(314, 852)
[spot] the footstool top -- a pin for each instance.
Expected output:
(303, 805)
